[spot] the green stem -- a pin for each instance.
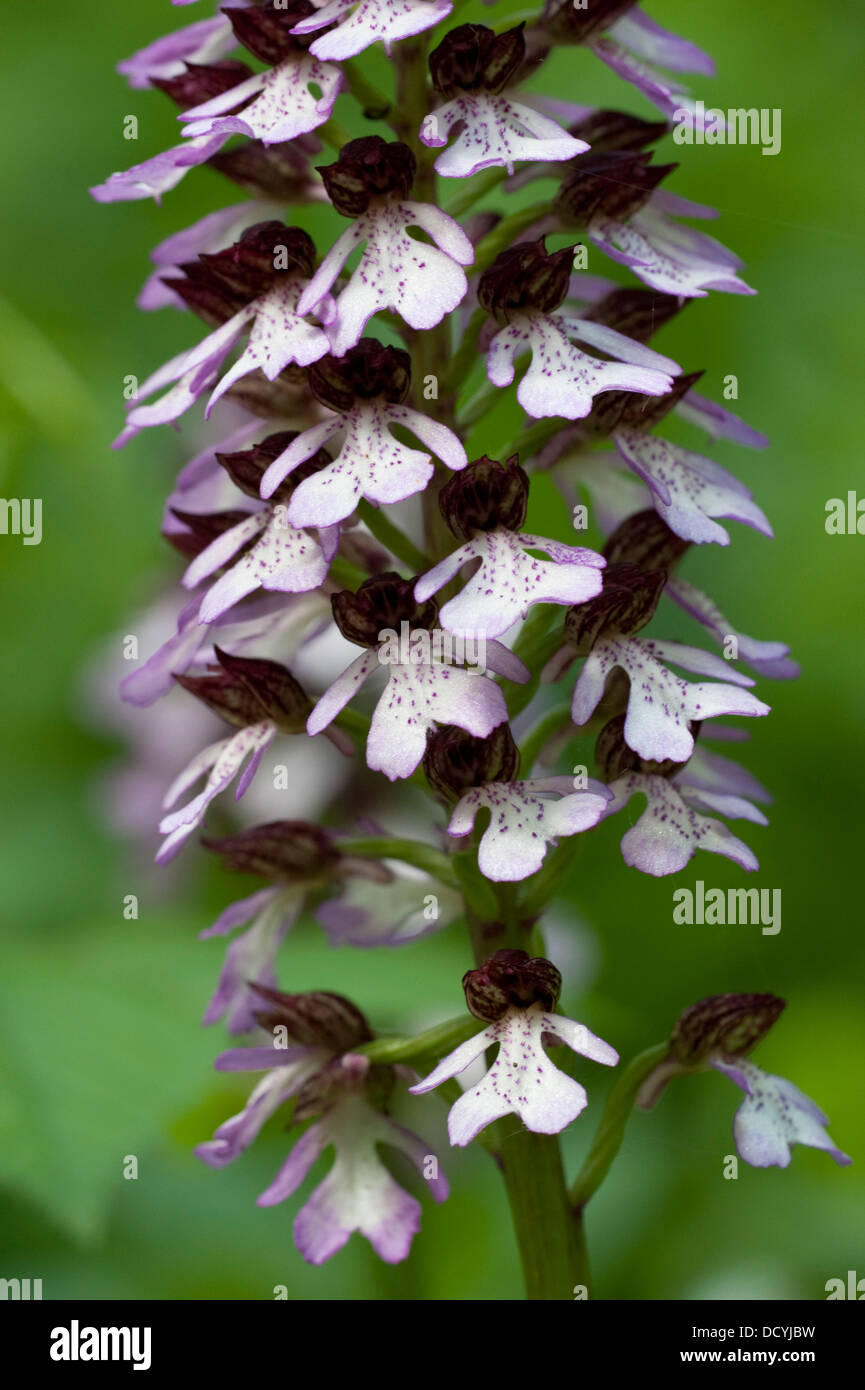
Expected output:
(414, 852)
(540, 734)
(611, 1130)
(345, 573)
(392, 537)
(480, 185)
(333, 134)
(353, 722)
(549, 1233)
(373, 102)
(532, 440)
(547, 879)
(477, 891)
(466, 355)
(536, 660)
(479, 405)
(535, 632)
(435, 1042)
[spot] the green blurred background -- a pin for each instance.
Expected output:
(102, 1055)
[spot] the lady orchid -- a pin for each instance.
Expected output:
(379, 288)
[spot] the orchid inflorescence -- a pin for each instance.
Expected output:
(339, 505)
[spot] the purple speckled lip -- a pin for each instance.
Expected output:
(774, 1115)
(522, 1080)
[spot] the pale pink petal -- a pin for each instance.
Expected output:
(414, 700)
(284, 560)
(688, 490)
(371, 21)
(774, 1115)
(578, 1037)
(299, 450)
(203, 42)
(286, 108)
(220, 550)
(179, 825)
(669, 832)
(372, 463)
(337, 696)
(667, 255)
(522, 824)
(158, 175)
(661, 705)
(770, 659)
(562, 380)
(496, 130)
(279, 336)
(417, 281)
(640, 33)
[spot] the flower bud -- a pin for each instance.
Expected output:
(382, 602)
(723, 1026)
(202, 81)
(645, 540)
(456, 761)
(315, 1019)
(283, 398)
(368, 168)
(279, 172)
(351, 1072)
(615, 184)
(265, 30)
(563, 21)
(625, 604)
(211, 299)
(638, 313)
(728, 1024)
(367, 371)
(484, 496)
(473, 58)
(525, 278)
(295, 851)
(281, 697)
(202, 528)
(604, 131)
(614, 410)
(511, 979)
(226, 697)
(247, 467)
(248, 690)
(613, 757)
(264, 254)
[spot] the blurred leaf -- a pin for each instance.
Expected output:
(100, 1043)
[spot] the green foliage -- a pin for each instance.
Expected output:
(102, 1055)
